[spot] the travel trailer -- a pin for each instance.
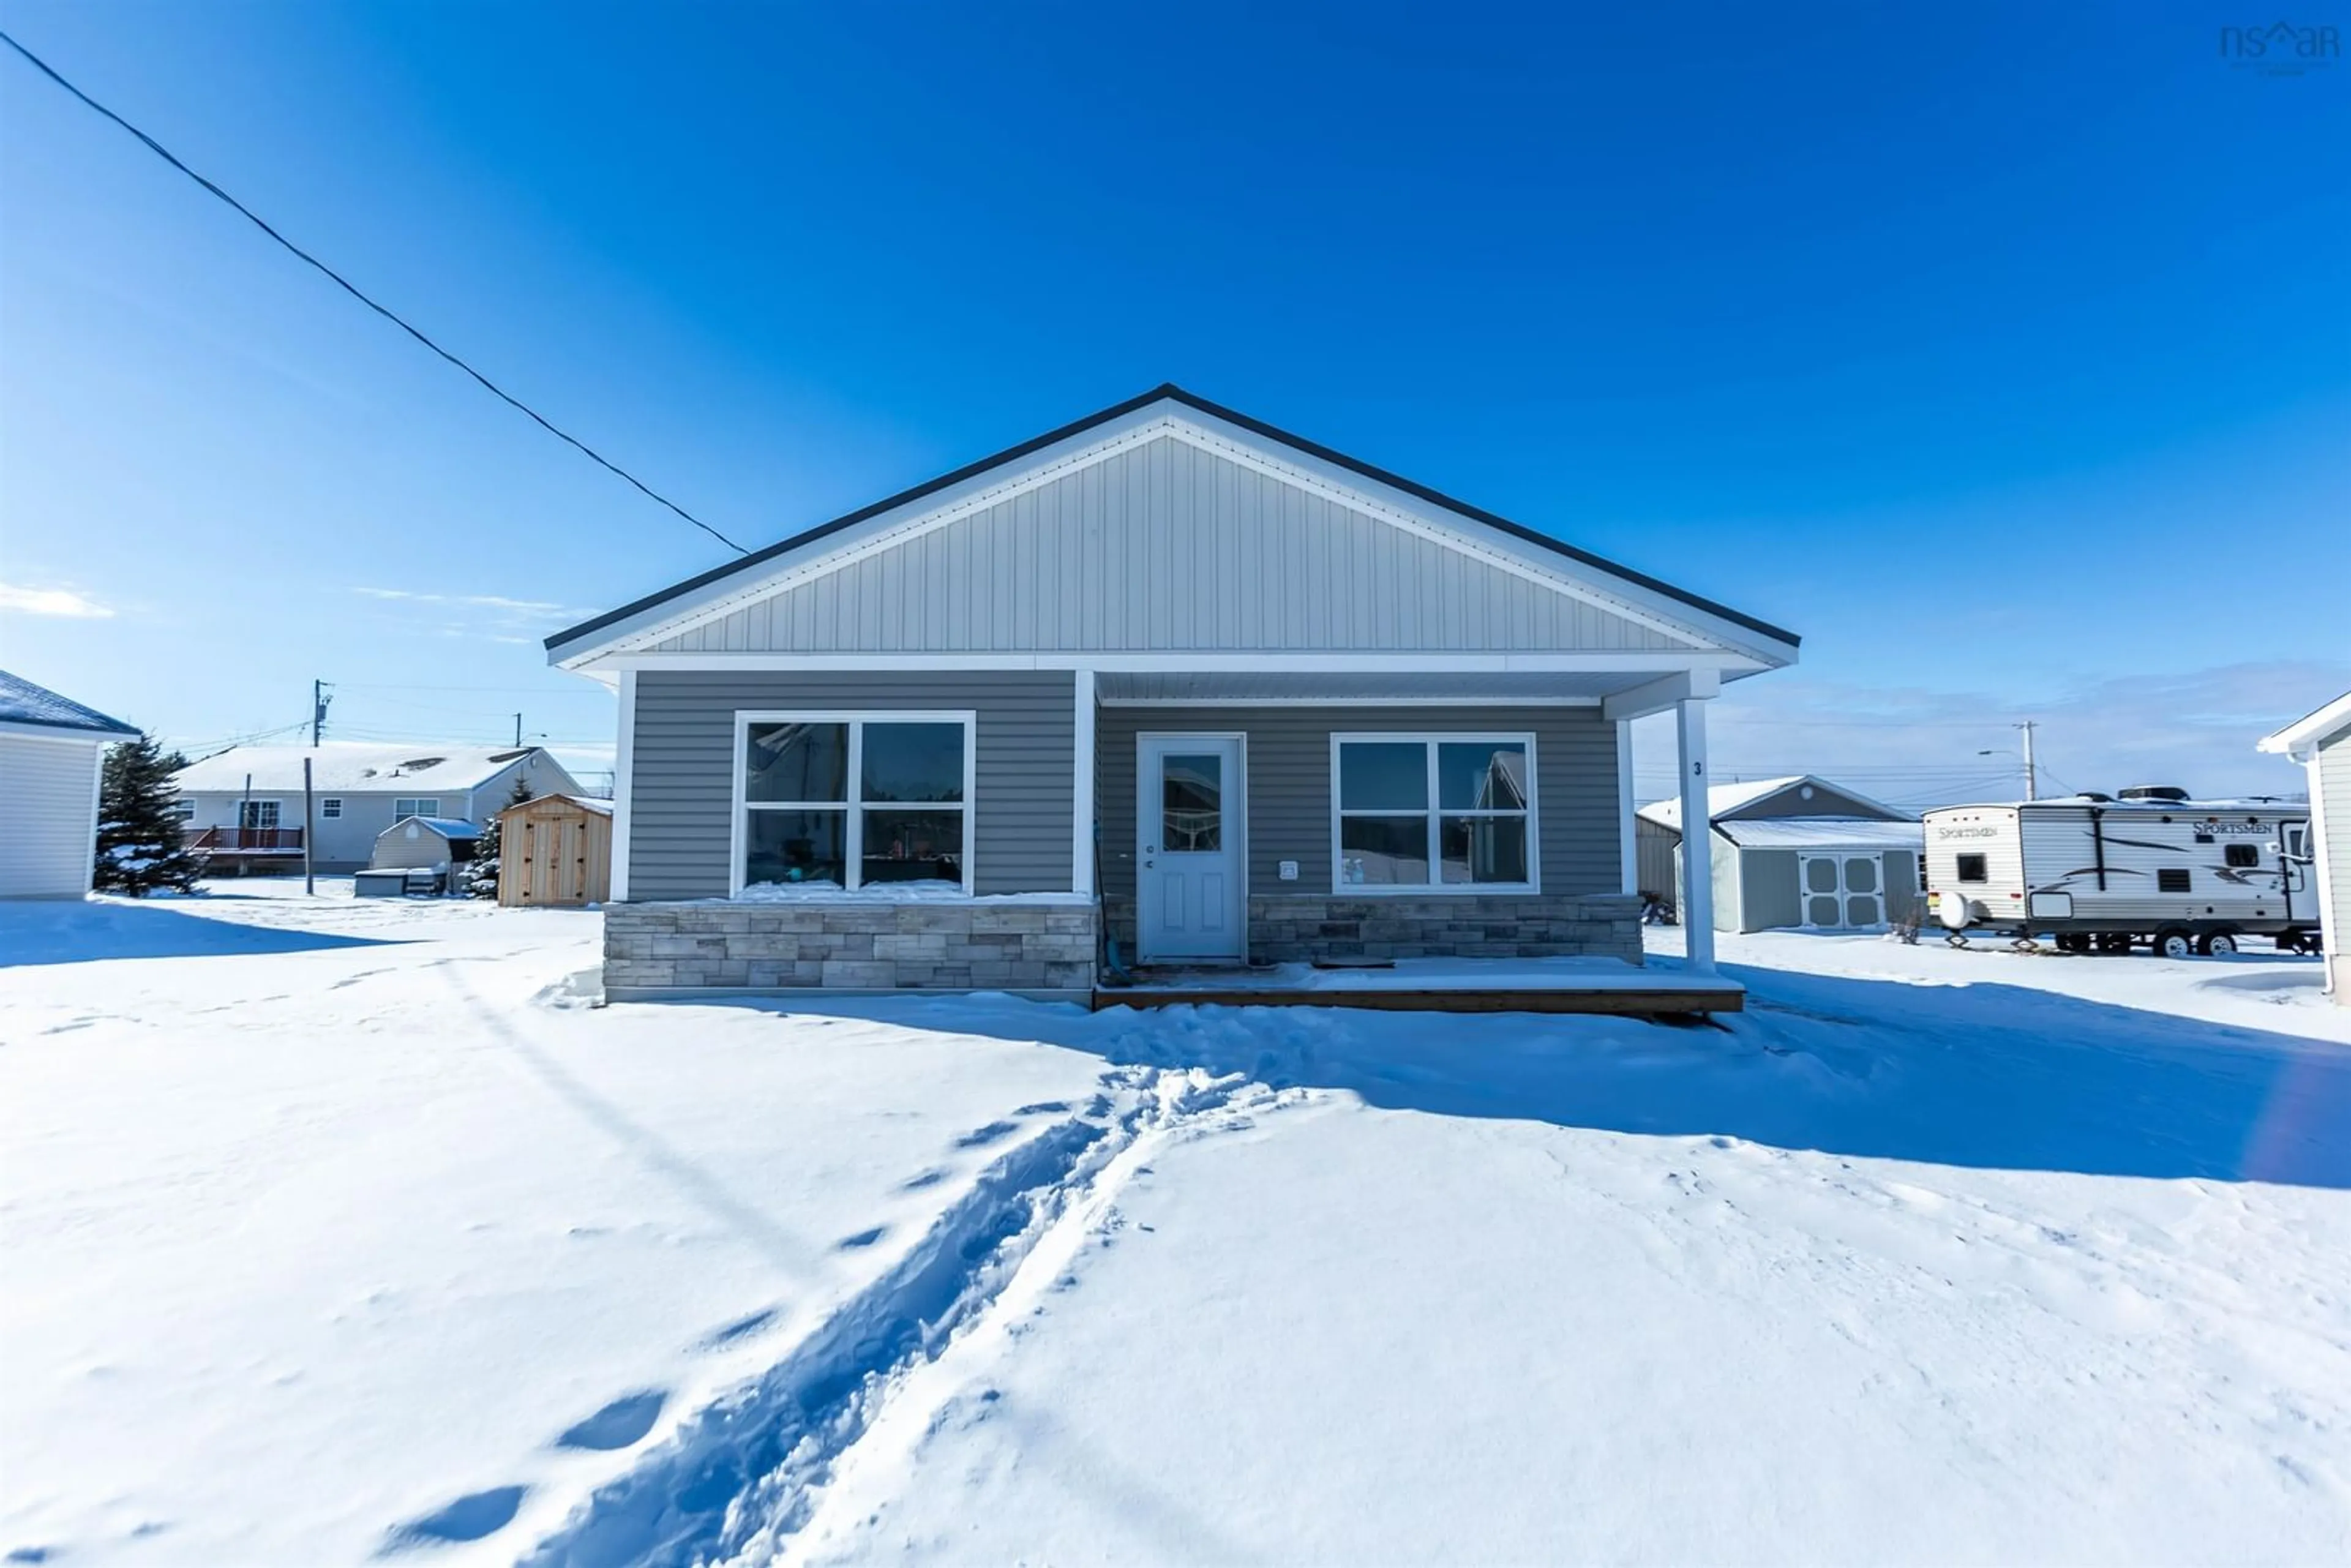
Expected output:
(2101, 873)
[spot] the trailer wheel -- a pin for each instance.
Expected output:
(2114, 942)
(2174, 942)
(2073, 941)
(2219, 944)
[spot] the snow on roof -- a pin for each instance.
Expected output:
(1724, 799)
(2312, 730)
(21, 702)
(352, 767)
(447, 827)
(595, 803)
(1822, 833)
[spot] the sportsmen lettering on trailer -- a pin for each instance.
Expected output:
(2153, 867)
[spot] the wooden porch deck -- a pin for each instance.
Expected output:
(1437, 985)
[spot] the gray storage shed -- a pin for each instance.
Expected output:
(1798, 851)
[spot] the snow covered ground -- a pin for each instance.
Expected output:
(334, 1229)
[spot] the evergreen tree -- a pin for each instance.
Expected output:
(139, 848)
(483, 879)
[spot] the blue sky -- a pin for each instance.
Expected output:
(2000, 352)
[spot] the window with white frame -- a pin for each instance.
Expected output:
(1447, 813)
(406, 806)
(851, 800)
(183, 809)
(256, 814)
(330, 805)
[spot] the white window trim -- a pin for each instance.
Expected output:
(330, 807)
(277, 809)
(1435, 813)
(415, 801)
(852, 835)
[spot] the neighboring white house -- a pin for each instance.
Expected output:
(51, 749)
(2321, 742)
(1794, 851)
(245, 804)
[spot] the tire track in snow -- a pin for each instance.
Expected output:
(749, 1467)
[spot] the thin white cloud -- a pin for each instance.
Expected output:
(63, 603)
(534, 607)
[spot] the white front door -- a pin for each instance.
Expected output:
(1188, 815)
(1842, 889)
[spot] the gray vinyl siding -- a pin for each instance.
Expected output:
(1826, 801)
(1766, 898)
(1289, 774)
(681, 798)
(1901, 883)
(1165, 546)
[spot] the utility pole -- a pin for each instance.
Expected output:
(319, 701)
(2032, 778)
(518, 729)
(309, 831)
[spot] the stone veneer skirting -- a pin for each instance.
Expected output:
(1034, 948)
(1287, 929)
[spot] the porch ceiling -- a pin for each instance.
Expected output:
(1468, 686)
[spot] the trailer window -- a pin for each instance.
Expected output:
(1971, 869)
(2172, 879)
(2241, 854)
(2296, 843)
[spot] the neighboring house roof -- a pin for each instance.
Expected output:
(1728, 799)
(601, 807)
(2312, 730)
(38, 707)
(447, 827)
(353, 768)
(1822, 833)
(681, 598)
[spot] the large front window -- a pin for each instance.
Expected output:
(1444, 813)
(832, 801)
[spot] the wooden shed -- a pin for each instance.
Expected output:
(556, 850)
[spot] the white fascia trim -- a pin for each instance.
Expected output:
(64, 736)
(2300, 739)
(625, 773)
(1689, 685)
(1478, 540)
(1724, 664)
(1237, 702)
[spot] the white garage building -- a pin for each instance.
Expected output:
(2321, 742)
(51, 748)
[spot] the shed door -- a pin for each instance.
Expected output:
(1841, 891)
(1189, 895)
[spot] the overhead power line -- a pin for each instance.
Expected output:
(352, 289)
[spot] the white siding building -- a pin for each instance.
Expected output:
(245, 804)
(51, 749)
(2321, 742)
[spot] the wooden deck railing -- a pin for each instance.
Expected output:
(247, 841)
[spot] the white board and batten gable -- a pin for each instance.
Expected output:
(1168, 533)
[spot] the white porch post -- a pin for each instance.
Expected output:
(1081, 790)
(1628, 848)
(623, 770)
(1697, 836)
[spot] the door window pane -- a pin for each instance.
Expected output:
(1820, 877)
(1861, 911)
(1483, 849)
(1481, 775)
(911, 762)
(1821, 911)
(1381, 850)
(794, 847)
(1860, 877)
(1382, 776)
(257, 814)
(1191, 793)
(798, 762)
